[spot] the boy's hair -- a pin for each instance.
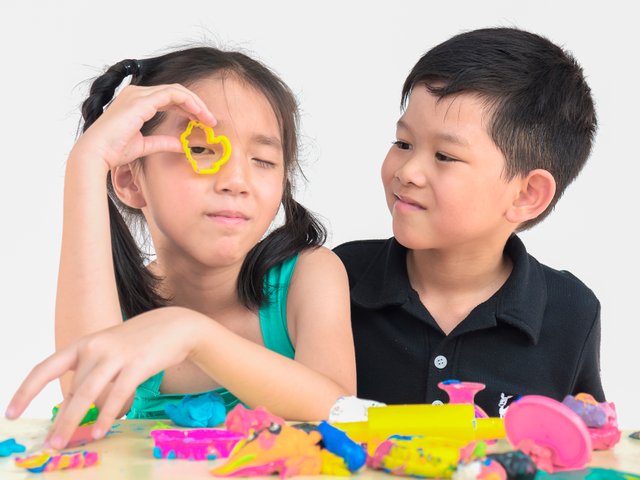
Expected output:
(541, 111)
(137, 287)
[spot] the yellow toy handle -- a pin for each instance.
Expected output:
(454, 421)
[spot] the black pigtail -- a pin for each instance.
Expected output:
(300, 231)
(136, 285)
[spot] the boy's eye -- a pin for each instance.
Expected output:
(444, 158)
(402, 145)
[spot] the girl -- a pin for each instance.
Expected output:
(220, 305)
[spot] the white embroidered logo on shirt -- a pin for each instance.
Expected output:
(503, 404)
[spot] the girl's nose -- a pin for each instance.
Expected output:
(233, 175)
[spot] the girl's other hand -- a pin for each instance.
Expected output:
(115, 136)
(124, 356)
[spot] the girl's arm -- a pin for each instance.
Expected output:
(324, 366)
(87, 298)
(126, 355)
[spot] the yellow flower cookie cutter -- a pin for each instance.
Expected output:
(211, 140)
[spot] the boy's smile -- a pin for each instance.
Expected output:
(443, 176)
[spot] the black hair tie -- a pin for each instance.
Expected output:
(131, 67)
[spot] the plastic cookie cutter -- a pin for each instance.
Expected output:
(194, 444)
(216, 150)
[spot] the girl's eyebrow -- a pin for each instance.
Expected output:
(267, 140)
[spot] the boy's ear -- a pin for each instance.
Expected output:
(536, 192)
(126, 187)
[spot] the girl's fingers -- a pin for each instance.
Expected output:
(49, 369)
(122, 389)
(160, 143)
(179, 96)
(78, 402)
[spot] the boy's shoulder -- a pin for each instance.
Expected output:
(358, 255)
(541, 295)
(565, 285)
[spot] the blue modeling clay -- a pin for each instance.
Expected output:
(200, 411)
(9, 446)
(338, 443)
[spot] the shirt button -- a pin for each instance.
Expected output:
(440, 361)
(436, 402)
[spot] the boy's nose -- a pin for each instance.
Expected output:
(412, 172)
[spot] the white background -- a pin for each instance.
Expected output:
(346, 61)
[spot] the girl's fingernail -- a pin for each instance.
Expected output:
(55, 442)
(97, 433)
(9, 413)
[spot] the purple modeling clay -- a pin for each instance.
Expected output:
(593, 415)
(198, 411)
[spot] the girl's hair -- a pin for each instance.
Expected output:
(137, 287)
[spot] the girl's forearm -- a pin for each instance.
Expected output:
(261, 377)
(87, 298)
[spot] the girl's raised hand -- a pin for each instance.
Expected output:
(125, 356)
(115, 136)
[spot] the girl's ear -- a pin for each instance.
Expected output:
(126, 185)
(536, 192)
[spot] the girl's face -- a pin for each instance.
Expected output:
(214, 220)
(443, 177)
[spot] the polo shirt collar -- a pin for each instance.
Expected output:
(521, 301)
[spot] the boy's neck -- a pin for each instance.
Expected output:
(452, 283)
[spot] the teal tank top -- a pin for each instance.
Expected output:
(149, 403)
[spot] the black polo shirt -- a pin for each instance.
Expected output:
(538, 334)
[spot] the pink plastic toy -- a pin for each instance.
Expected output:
(463, 392)
(548, 431)
(195, 444)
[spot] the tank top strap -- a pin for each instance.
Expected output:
(273, 314)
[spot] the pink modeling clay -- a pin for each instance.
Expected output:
(244, 421)
(600, 418)
(196, 444)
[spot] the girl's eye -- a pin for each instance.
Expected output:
(402, 145)
(264, 163)
(444, 158)
(201, 150)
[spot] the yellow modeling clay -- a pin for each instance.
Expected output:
(205, 164)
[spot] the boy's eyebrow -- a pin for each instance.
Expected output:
(450, 138)
(446, 137)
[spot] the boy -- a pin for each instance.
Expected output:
(496, 124)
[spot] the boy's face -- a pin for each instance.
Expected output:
(443, 176)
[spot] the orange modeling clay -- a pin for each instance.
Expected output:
(205, 164)
(277, 448)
